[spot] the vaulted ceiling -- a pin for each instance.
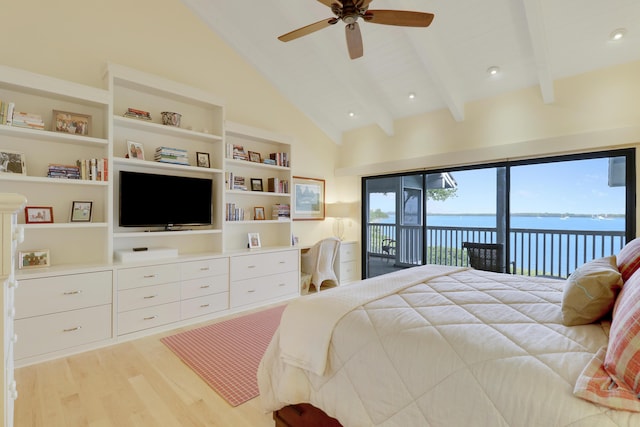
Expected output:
(532, 42)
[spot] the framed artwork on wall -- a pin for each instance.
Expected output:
(308, 195)
(78, 124)
(38, 214)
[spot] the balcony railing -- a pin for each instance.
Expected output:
(532, 252)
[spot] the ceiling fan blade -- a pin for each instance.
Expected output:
(329, 3)
(354, 40)
(307, 30)
(399, 17)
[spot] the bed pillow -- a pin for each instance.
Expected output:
(591, 291)
(629, 259)
(622, 360)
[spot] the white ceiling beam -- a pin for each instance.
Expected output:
(436, 66)
(535, 22)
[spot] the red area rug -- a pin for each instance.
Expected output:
(226, 354)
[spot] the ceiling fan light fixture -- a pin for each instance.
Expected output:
(493, 71)
(351, 114)
(618, 34)
(412, 95)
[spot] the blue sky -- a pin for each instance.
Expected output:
(578, 187)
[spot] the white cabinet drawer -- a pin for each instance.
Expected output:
(48, 295)
(263, 264)
(204, 286)
(145, 276)
(62, 330)
(348, 272)
(144, 318)
(131, 299)
(204, 305)
(204, 268)
(259, 289)
(347, 252)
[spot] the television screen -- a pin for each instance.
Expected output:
(151, 200)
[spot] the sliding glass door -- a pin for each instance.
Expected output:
(546, 216)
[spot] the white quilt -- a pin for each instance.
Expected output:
(463, 348)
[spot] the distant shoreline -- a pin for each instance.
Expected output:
(560, 215)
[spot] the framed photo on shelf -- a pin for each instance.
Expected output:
(308, 201)
(12, 162)
(81, 211)
(34, 259)
(255, 157)
(38, 215)
(135, 150)
(256, 184)
(76, 123)
(254, 240)
(203, 160)
(258, 213)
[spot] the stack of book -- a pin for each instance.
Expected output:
(94, 169)
(239, 184)
(234, 213)
(277, 185)
(134, 113)
(176, 156)
(281, 212)
(63, 171)
(6, 112)
(27, 120)
(278, 159)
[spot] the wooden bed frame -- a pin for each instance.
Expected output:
(303, 415)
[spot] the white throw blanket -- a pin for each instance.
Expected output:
(305, 345)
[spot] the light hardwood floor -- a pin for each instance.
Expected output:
(136, 383)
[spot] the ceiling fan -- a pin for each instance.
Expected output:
(348, 11)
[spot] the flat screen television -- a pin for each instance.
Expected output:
(153, 200)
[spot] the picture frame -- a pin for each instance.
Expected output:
(308, 199)
(81, 211)
(203, 160)
(38, 215)
(256, 184)
(74, 123)
(12, 162)
(135, 150)
(38, 258)
(258, 213)
(254, 240)
(254, 156)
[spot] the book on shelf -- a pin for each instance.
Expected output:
(239, 153)
(277, 185)
(135, 113)
(87, 169)
(281, 212)
(6, 112)
(171, 155)
(281, 159)
(234, 212)
(27, 120)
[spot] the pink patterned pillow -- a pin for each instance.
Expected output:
(622, 360)
(629, 259)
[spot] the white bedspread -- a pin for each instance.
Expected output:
(464, 348)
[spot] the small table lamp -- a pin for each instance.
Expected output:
(339, 211)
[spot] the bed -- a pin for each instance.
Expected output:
(446, 346)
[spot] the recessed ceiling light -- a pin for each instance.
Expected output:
(617, 34)
(492, 71)
(412, 95)
(352, 114)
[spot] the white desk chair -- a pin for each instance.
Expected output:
(318, 261)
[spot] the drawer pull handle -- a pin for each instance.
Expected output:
(72, 292)
(204, 268)
(283, 262)
(251, 291)
(251, 266)
(150, 296)
(205, 286)
(150, 317)
(149, 276)
(205, 305)
(77, 328)
(282, 284)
